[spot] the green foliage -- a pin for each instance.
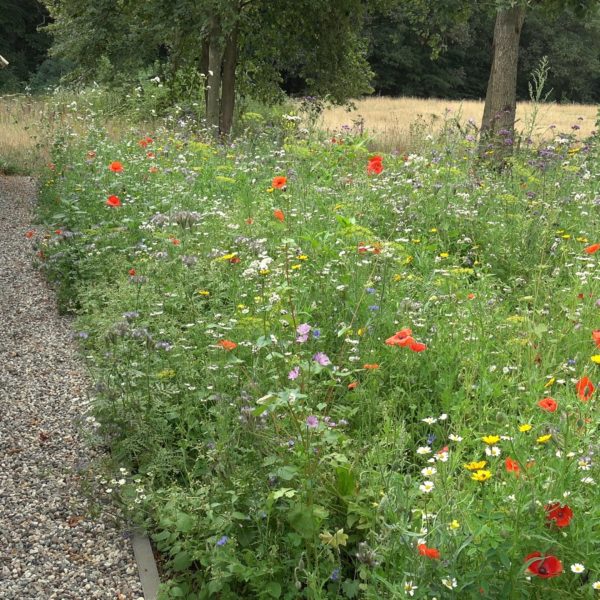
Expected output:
(269, 422)
(20, 43)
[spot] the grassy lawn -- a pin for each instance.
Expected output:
(324, 375)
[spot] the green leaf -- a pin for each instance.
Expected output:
(273, 589)
(345, 482)
(287, 473)
(184, 523)
(182, 561)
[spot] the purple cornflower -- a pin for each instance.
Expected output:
(222, 541)
(374, 307)
(312, 422)
(316, 333)
(335, 574)
(322, 359)
(293, 374)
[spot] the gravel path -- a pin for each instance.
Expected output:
(50, 546)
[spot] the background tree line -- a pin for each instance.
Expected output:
(398, 52)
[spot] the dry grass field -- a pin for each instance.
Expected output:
(21, 119)
(395, 123)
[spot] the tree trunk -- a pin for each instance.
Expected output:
(213, 100)
(204, 69)
(228, 83)
(497, 126)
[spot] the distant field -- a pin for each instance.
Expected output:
(391, 121)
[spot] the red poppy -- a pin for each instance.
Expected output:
(131, 272)
(371, 367)
(417, 346)
(227, 345)
(400, 338)
(58, 231)
(353, 385)
(561, 515)
(585, 388)
(113, 201)
(116, 167)
(249, 221)
(471, 296)
(234, 260)
(150, 155)
(175, 241)
(596, 337)
(153, 169)
(548, 404)
(29, 234)
(428, 552)
(512, 465)
(279, 183)
(375, 165)
(592, 249)
(545, 566)
(278, 214)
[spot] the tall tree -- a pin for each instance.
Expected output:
(501, 97)
(251, 41)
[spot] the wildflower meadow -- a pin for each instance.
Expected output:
(327, 372)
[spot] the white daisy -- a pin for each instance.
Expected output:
(427, 486)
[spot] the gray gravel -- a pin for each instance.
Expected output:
(51, 547)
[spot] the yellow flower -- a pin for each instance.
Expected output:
(227, 256)
(476, 465)
(582, 239)
(303, 257)
(481, 475)
(550, 382)
(166, 374)
(416, 241)
(433, 230)
(525, 427)
(296, 267)
(444, 254)
(453, 525)
(264, 272)
(544, 438)
(596, 359)
(491, 439)
(204, 292)
(339, 538)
